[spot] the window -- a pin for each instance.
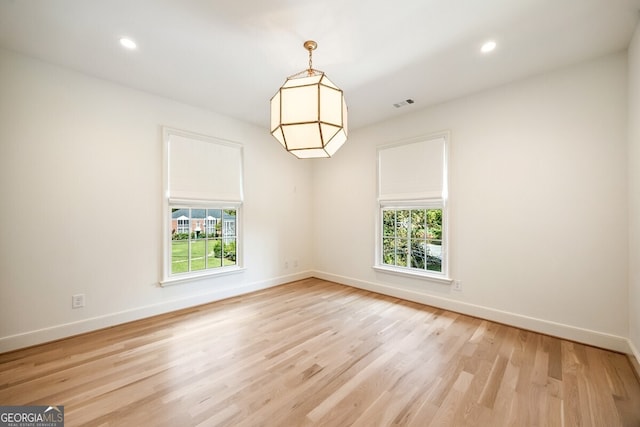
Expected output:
(203, 248)
(412, 208)
(182, 225)
(412, 238)
(211, 225)
(203, 202)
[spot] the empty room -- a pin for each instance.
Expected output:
(337, 213)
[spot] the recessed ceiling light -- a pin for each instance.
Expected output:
(488, 46)
(128, 43)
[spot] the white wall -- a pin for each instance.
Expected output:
(538, 204)
(80, 184)
(634, 192)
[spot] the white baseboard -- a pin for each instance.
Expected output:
(586, 336)
(65, 330)
(599, 339)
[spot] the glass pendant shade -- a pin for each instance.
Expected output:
(309, 115)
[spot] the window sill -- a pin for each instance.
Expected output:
(414, 274)
(176, 280)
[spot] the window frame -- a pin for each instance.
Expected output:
(224, 239)
(180, 225)
(441, 277)
(168, 203)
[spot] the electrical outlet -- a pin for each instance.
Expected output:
(286, 264)
(457, 285)
(77, 301)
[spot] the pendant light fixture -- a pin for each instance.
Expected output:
(309, 114)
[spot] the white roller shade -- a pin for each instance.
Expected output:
(203, 169)
(412, 171)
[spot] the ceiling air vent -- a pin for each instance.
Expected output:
(404, 103)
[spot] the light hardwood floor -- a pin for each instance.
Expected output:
(317, 353)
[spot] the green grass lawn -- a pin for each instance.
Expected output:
(202, 256)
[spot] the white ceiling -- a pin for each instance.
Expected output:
(231, 56)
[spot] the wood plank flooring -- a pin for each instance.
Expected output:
(317, 353)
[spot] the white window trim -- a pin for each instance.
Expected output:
(439, 203)
(413, 273)
(167, 203)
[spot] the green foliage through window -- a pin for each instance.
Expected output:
(412, 238)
